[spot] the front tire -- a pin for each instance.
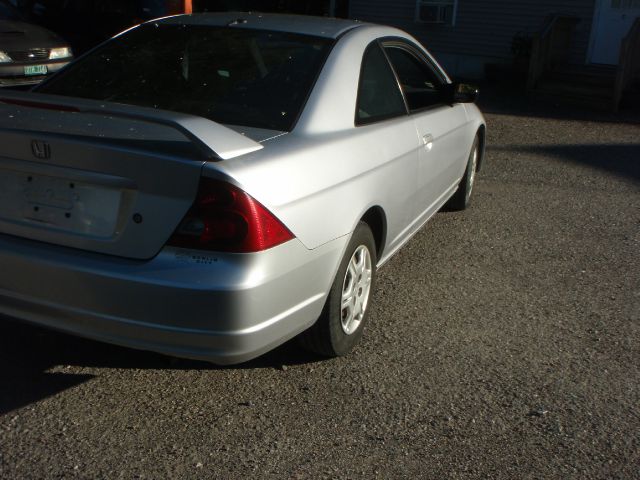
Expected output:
(461, 199)
(341, 323)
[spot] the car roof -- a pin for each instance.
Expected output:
(327, 27)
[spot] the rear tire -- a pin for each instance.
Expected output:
(339, 327)
(461, 199)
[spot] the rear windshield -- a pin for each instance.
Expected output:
(230, 75)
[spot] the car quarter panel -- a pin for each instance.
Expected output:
(331, 105)
(320, 186)
(322, 177)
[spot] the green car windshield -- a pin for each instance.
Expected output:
(230, 75)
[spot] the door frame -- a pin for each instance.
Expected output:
(597, 11)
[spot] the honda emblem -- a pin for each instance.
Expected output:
(40, 149)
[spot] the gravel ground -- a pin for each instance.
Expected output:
(503, 343)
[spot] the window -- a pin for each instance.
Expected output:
(232, 76)
(437, 11)
(379, 97)
(421, 85)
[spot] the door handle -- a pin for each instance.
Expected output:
(427, 141)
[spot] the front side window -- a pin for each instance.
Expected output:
(379, 97)
(421, 85)
(232, 76)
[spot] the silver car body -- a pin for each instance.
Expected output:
(112, 279)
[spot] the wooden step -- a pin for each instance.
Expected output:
(574, 89)
(630, 100)
(599, 70)
(596, 75)
(580, 78)
(583, 86)
(584, 101)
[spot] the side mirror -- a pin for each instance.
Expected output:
(461, 93)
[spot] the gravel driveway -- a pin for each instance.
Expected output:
(504, 343)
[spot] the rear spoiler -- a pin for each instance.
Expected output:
(214, 140)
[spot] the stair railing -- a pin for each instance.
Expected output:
(550, 47)
(629, 64)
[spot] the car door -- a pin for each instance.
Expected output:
(388, 135)
(440, 127)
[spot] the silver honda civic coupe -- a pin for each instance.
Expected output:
(210, 186)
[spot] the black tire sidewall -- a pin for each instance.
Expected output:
(468, 187)
(342, 343)
(461, 198)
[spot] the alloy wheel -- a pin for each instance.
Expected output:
(355, 290)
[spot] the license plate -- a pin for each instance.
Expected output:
(59, 203)
(35, 70)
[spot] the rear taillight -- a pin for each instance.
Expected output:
(225, 218)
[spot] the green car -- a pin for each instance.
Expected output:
(28, 53)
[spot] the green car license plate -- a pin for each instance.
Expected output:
(35, 70)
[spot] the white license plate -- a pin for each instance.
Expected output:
(35, 70)
(59, 203)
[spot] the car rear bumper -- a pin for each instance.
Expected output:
(223, 308)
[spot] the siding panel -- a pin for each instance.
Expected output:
(483, 27)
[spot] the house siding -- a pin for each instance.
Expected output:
(484, 28)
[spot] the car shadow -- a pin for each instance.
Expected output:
(622, 160)
(28, 352)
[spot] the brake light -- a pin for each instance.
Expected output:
(225, 218)
(32, 104)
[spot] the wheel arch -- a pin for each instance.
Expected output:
(376, 219)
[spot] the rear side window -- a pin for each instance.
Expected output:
(419, 82)
(233, 76)
(379, 96)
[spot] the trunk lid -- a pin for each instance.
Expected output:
(101, 177)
